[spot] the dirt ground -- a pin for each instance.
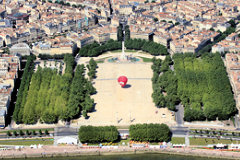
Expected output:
(124, 106)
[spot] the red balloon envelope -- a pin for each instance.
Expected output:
(122, 80)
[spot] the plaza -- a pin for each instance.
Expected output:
(125, 106)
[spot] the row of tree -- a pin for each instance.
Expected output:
(92, 66)
(47, 56)
(150, 132)
(52, 96)
(23, 90)
(164, 83)
(48, 94)
(91, 134)
(95, 49)
(203, 87)
(27, 133)
(80, 94)
(120, 36)
(151, 47)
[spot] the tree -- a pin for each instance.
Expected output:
(21, 133)
(40, 132)
(9, 133)
(232, 22)
(91, 134)
(15, 133)
(95, 49)
(46, 132)
(177, 23)
(88, 104)
(28, 133)
(49, 117)
(155, 19)
(22, 92)
(119, 33)
(92, 66)
(85, 114)
(150, 132)
(211, 29)
(203, 87)
(127, 33)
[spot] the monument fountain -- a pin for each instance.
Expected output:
(123, 57)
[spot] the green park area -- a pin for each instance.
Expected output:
(178, 140)
(127, 50)
(204, 87)
(153, 133)
(201, 84)
(206, 141)
(146, 59)
(28, 142)
(132, 45)
(49, 96)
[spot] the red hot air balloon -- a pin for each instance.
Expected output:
(122, 80)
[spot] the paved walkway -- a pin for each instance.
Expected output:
(83, 60)
(187, 141)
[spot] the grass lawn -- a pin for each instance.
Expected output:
(146, 59)
(102, 60)
(178, 140)
(93, 144)
(28, 142)
(127, 50)
(126, 141)
(206, 141)
(122, 127)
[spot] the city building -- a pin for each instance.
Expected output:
(20, 49)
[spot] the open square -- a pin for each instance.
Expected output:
(125, 106)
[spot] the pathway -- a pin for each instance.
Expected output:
(187, 141)
(179, 115)
(82, 60)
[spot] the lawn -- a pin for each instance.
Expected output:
(102, 60)
(178, 140)
(146, 59)
(28, 142)
(126, 141)
(206, 141)
(127, 50)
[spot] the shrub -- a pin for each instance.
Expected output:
(15, 133)
(40, 132)
(91, 134)
(150, 132)
(21, 133)
(28, 133)
(46, 132)
(9, 133)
